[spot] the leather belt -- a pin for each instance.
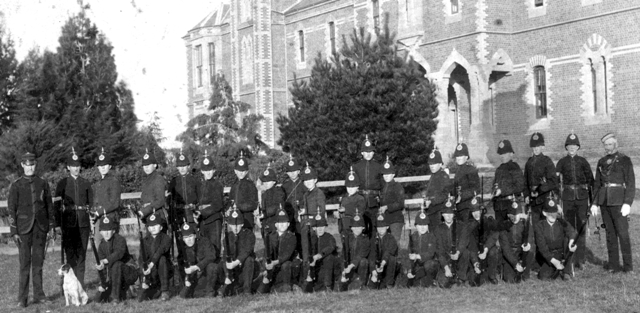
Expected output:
(582, 186)
(614, 185)
(370, 192)
(509, 197)
(80, 207)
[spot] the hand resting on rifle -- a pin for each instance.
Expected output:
(483, 255)
(557, 264)
(526, 247)
(455, 256)
(572, 246)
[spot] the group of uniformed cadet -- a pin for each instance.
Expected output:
(535, 223)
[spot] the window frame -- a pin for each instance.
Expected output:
(332, 37)
(212, 59)
(198, 55)
(301, 43)
(376, 14)
(455, 7)
(540, 91)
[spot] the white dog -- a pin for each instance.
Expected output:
(73, 291)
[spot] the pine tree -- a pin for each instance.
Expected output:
(366, 89)
(8, 79)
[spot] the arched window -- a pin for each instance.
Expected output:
(594, 85)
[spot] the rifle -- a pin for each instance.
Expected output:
(524, 257)
(265, 231)
(345, 242)
(144, 279)
(453, 265)
(568, 260)
(414, 264)
(104, 273)
(309, 261)
(378, 262)
(225, 255)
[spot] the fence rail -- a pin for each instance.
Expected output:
(325, 184)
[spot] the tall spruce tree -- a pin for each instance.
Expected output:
(366, 89)
(8, 80)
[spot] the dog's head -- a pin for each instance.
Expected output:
(64, 269)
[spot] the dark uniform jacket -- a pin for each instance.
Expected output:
(616, 172)
(437, 190)
(448, 242)
(511, 241)
(577, 177)
(314, 200)
(540, 176)
(76, 196)
(153, 188)
(382, 249)
(426, 246)
(509, 179)
(552, 239)
(245, 197)
(351, 204)
(479, 241)
(106, 197)
(324, 245)
(155, 248)
(359, 248)
(283, 247)
(201, 254)
(184, 190)
(294, 196)
(241, 246)
(392, 196)
(466, 185)
(211, 203)
(114, 250)
(30, 204)
(370, 174)
(272, 201)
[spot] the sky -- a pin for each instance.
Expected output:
(147, 40)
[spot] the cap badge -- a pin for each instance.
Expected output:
(318, 217)
(181, 158)
(281, 213)
(205, 161)
(351, 177)
(307, 171)
(266, 172)
(535, 136)
(387, 165)
(356, 218)
(423, 216)
(367, 143)
(474, 201)
(291, 163)
(551, 203)
(101, 157)
(234, 214)
(241, 162)
(448, 204)
(185, 227)
(152, 218)
(74, 157)
(432, 155)
(146, 156)
(514, 205)
(459, 147)
(501, 144)
(380, 218)
(573, 137)
(105, 220)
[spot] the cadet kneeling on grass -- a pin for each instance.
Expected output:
(157, 264)
(551, 235)
(323, 249)
(424, 257)
(200, 256)
(282, 246)
(384, 251)
(356, 273)
(114, 256)
(241, 244)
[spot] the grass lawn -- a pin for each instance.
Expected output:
(593, 290)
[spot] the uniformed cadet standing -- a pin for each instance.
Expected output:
(73, 213)
(294, 190)
(453, 239)
(153, 191)
(614, 190)
(272, 199)
(540, 177)
(157, 265)
(392, 200)
(552, 234)
(242, 243)
(323, 250)
(282, 245)
(184, 194)
(369, 172)
(359, 247)
(351, 205)
(114, 256)
(244, 193)
(106, 192)
(508, 183)
(31, 216)
(425, 260)
(211, 204)
(466, 183)
(438, 191)
(200, 259)
(383, 256)
(577, 180)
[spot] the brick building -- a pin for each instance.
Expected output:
(504, 68)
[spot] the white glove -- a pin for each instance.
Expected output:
(557, 263)
(527, 247)
(626, 209)
(572, 246)
(519, 268)
(447, 271)
(594, 210)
